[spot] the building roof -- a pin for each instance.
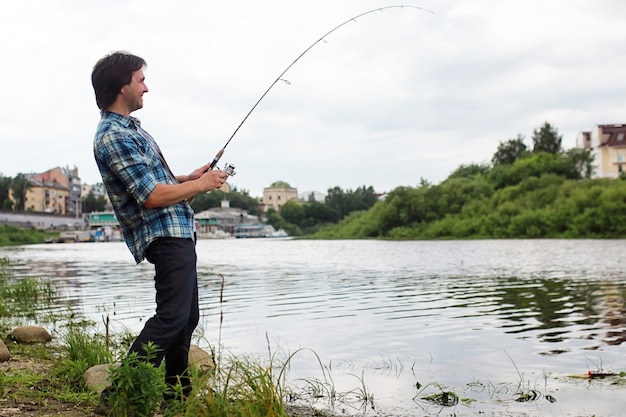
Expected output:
(36, 182)
(279, 184)
(612, 135)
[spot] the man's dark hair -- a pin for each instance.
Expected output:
(111, 73)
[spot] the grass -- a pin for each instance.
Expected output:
(17, 296)
(238, 386)
(27, 299)
(13, 235)
(37, 374)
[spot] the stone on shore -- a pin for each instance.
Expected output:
(200, 358)
(30, 335)
(5, 355)
(97, 377)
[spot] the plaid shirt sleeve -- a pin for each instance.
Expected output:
(129, 159)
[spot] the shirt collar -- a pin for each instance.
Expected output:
(126, 121)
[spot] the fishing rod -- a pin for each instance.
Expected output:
(229, 167)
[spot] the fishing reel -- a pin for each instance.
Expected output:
(229, 169)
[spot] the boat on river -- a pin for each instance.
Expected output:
(258, 230)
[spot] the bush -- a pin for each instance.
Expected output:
(137, 386)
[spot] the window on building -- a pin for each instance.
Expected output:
(620, 136)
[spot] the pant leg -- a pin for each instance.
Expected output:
(177, 313)
(176, 358)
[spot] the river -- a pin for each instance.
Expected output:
(490, 320)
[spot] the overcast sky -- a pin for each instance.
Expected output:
(393, 97)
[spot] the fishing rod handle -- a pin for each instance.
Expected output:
(216, 159)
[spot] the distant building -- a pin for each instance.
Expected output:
(104, 226)
(47, 197)
(224, 219)
(57, 190)
(277, 194)
(607, 144)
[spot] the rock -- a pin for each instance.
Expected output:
(5, 355)
(200, 358)
(97, 377)
(30, 334)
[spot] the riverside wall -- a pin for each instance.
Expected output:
(42, 221)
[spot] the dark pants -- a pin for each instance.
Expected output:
(177, 312)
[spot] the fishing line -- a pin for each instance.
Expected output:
(280, 77)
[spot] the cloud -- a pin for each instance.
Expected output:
(387, 99)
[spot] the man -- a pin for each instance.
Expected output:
(152, 207)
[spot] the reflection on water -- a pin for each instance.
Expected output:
(447, 312)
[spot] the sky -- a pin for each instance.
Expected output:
(386, 100)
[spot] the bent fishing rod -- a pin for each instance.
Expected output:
(229, 167)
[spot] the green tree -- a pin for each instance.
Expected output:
(205, 201)
(293, 212)
(276, 220)
(346, 202)
(534, 165)
(92, 203)
(510, 151)
(580, 161)
(20, 186)
(243, 200)
(467, 171)
(364, 198)
(318, 212)
(5, 187)
(547, 139)
(336, 199)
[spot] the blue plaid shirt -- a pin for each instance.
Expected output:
(131, 167)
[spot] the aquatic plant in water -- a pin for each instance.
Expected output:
(23, 297)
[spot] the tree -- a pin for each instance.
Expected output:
(336, 199)
(321, 213)
(205, 201)
(546, 139)
(363, 198)
(467, 171)
(509, 151)
(92, 203)
(292, 212)
(20, 186)
(346, 202)
(276, 220)
(5, 187)
(243, 200)
(581, 162)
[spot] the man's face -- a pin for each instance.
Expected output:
(133, 92)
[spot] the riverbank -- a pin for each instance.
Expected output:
(31, 385)
(14, 235)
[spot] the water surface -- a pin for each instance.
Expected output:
(485, 319)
